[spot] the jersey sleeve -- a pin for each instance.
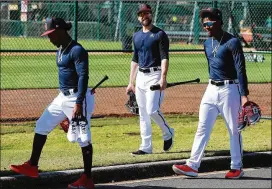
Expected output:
(164, 46)
(240, 66)
(81, 61)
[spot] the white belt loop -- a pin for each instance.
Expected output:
(71, 91)
(152, 69)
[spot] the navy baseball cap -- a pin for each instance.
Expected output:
(51, 24)
(144, 8)
(213, 12)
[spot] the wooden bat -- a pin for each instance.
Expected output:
(157, 87)
(99, 83)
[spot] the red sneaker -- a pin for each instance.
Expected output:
(82, 182)
(184, 170)
(234, 174)
(26, 169)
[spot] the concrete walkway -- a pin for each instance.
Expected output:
(131, 171)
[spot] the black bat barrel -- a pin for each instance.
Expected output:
(155, 87)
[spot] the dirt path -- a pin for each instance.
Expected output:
(29, 104)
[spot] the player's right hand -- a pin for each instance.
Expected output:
(130, 87)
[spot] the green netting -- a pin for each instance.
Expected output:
(105, 29)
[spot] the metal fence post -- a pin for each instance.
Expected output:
(98, 23)
(196, 25)
(214, 4)
(75, 20)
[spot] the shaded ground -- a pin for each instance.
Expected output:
(29, 104)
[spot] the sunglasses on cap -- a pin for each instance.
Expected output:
(209, 23)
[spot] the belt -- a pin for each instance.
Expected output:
(221, 83)
(69, 92)
(149, 70)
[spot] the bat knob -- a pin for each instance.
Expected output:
(155, 87)
(197, 80)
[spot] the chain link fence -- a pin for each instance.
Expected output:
(29, 78)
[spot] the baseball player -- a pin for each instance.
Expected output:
(226, 92)
(149, 66)
(74, 101)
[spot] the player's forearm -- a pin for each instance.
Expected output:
(133, 72)
(164, 68)
(82, 88)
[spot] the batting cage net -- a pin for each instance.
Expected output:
(29, 80)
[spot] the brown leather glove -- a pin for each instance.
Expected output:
(65, 125)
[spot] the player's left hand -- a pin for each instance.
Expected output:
(163, 84)
(244, 99)
(77, 111)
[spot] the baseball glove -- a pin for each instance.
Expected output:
(131, 104)
(65, 125)
(250, 114)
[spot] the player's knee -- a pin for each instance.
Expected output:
(202, 129)
(41, 129)
(153, 113)
(234, 132)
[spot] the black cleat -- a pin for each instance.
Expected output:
(168, 144)
(139, 152)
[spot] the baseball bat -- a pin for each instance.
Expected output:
(99, 83)
(157, 87)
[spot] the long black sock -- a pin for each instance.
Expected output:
(38, 143)
(87, 153)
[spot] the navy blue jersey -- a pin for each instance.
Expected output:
(73, 67)
(150, 48)
(229, 62)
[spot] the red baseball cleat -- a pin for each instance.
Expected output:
(234, 174)
(82, 182)
(26, 169)
(184, 170)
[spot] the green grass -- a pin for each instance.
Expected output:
(43, 43)
(40, 71)
(115, 138)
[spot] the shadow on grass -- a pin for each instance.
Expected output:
(208, 153)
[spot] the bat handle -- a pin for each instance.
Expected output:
(155, 87)
(130, 93)
(100, 82)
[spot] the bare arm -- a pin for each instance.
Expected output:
(132, 77)
(164, 67)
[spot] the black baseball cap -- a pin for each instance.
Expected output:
(213, 12)
(144, 8)
(51, 24)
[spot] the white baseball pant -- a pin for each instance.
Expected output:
(225, 100)
(149, 107)
(60, 108)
